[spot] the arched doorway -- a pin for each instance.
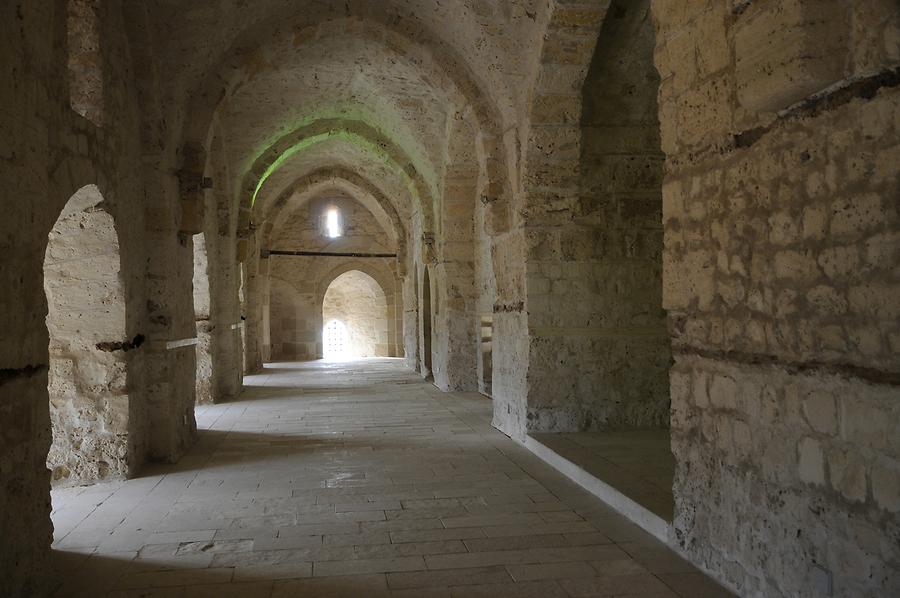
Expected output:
(89, 406)
(426, 324)
(355, 313)
(202, 310)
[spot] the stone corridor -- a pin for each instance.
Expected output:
(355, 479)
(617, 281)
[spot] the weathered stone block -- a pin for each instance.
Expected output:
(811, 462)
(786, 50)
(886, 484)
(847, 475)
(820, 410)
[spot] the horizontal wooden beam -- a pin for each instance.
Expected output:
(329, 253)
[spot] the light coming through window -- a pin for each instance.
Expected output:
(332, 223)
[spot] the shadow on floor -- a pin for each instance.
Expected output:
(224, 449)
(159, 575)
(639, 464)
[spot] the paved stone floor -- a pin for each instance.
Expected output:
(355, 479)
(638, 464)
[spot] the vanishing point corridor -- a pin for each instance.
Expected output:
(355, 479)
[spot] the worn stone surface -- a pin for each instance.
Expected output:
(428, 504)
(771, 475)
(87, 376)
(580, 232)
(779, 275)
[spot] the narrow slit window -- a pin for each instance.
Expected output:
(333, 223)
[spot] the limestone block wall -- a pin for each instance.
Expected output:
(484, 299)
(292, 320)
(223, 272)
(56, 143)
(511, 347)
(203, 383)
(304, 228)
(167, 272)
(455, 347)
(257, 288)
(89, 403)
(599, 345)
(410, 316)
(780, 123)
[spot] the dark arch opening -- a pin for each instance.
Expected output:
(426, 325)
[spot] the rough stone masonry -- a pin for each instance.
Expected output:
(607, 214)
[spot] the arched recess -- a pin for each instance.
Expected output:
(621, 174)
(356, 132)
(356, 300)
(426, 311)
(202, 317)
(549, 199)
(593, 267)
(594, 273)
(89, 401)
(319, 181)
(389, 284)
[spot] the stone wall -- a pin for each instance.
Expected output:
(522, 160)
(598, 346)
(49, 152)
(292, 319)
(223, 271)
(484, 304)
(303, 228)
(299, 283)
(780, 125)
(454, 344)
(203, 383)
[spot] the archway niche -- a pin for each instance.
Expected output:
(357, 302)
(89, 403)
(242, 306)
(202, 309)
(621, 195)
(603, 400)
(486, 355)
(426, 325)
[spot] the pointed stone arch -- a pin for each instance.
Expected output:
(356, 132)
(289, 32)
(389, 284)
(359, 187)
(90, 408)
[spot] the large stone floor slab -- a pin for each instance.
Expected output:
(355, 479)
